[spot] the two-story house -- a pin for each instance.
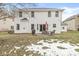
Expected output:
(40, 19)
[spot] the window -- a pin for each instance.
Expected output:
(54, 25)
(32, 26)
(63, 27)
(37, 26)
(41, 27)
(18, 27)
(56, 14)
(12, 27)
(32, 14)
(49, 13)
(44, 27)
(20, 14)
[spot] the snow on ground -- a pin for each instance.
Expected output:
(50, 48)
(16, 47)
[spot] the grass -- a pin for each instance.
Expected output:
(8, 41)
(71, 36)
(77, 50)
(45, 47)
(3, 33)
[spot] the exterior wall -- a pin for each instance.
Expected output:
(25, 26)
(70, 24)
(5, 24)
(40, 18)
(64, 28)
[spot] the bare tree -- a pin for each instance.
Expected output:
(8, 9)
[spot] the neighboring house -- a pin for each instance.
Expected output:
(64, 27)
(40, 19)
(7, 24)
(72, 22)
(6, 21)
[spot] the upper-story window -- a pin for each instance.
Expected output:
(49, 13)
(57, 14)
(32, 13)
(20, 14)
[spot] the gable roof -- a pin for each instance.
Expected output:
(40, 9)
(71, 17)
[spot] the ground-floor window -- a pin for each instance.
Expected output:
(12, 27)
(18, 26)
(54, 25)
(42, 27)
(37, 26)
(63, 27)
(32, 26)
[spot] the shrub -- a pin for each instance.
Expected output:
(10, 32)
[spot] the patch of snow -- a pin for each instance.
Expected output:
(16, 47)
(14, 51)
(24, 55)
(53, 50)
(77, 44)
(11, 51)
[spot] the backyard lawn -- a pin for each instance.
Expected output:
(15, 44)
